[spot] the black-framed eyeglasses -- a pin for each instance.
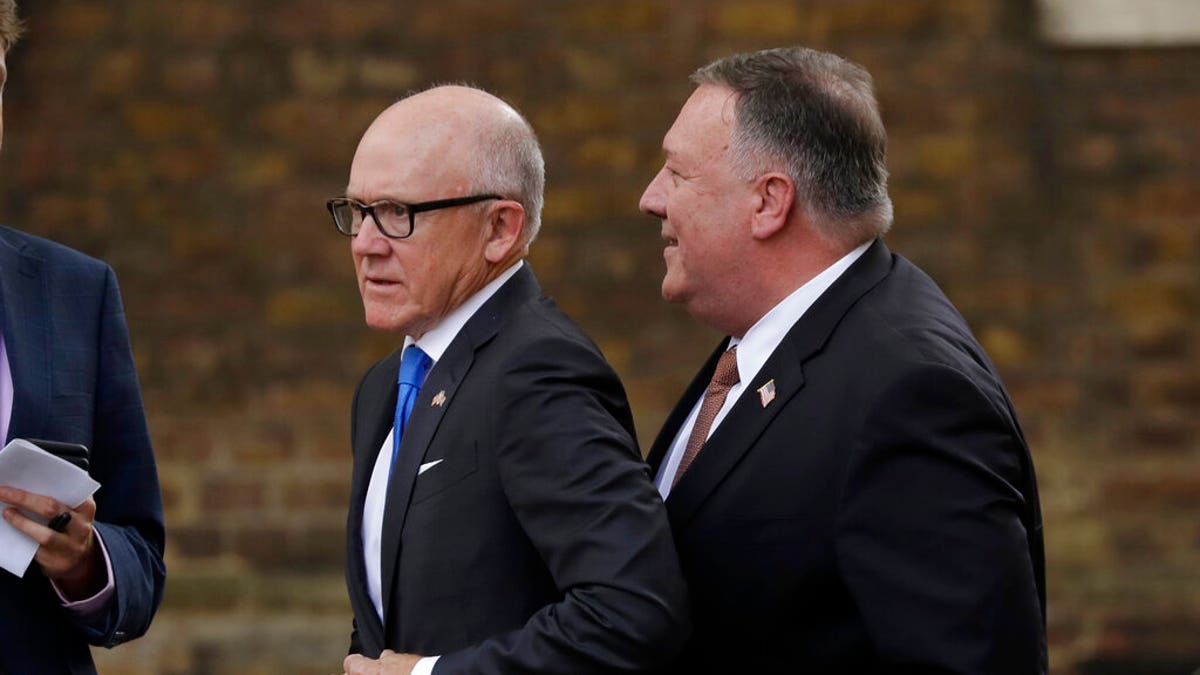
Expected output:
(394, 219)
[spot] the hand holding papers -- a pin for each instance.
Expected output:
(25, 466)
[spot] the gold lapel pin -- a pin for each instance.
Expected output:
(766, 393)
(440, 399)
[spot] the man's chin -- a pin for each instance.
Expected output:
(385, 323)
(672, 293)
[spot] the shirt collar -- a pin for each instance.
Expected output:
(757, 345)
(437, 340)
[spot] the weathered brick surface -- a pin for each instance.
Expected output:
(1054, 193)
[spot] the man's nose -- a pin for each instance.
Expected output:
(369, 239)
(653, 201)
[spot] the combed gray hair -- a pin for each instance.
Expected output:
(511, 164)
(815, 113)
(11, 26)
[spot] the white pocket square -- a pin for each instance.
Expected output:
(425, 467)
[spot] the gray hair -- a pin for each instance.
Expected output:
(11, 26)
(815, 113)
(511, 164)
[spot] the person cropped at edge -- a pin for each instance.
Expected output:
(67, 374)
(862, 499)
(514, 527)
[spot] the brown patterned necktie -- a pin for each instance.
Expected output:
(724, 377)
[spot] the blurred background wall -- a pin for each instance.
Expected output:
(1052, 188)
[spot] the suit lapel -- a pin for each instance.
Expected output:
(443, 381)
(443, 378)
(373, 419)
(748, 417)
(737, 433)
(26, 311)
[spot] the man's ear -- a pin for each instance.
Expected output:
(506, 225)
(774, 195)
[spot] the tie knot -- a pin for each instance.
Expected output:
(413, 366)
(726, 374)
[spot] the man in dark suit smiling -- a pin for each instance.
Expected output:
(67, 374)
(501, 518)
(847, 483)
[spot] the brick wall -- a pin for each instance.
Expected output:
(1054, 193)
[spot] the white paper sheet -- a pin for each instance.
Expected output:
(24, 465)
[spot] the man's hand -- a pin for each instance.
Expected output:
(72, 557)
(389, 663)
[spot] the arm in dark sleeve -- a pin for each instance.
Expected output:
(355, 641)
(576, 482)
(129, 513)
(933, 531)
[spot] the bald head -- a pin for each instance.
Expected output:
(471, 141)
(465, 108)
(474, 165)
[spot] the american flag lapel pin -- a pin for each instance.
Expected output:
(766, 393)
(440, 399)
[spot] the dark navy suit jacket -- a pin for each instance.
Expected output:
(879, 513)
(74, 380)
(537, 543)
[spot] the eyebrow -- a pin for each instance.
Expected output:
(677, 157)
(394, 200)
(355, 195)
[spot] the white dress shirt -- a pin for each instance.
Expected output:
(754, 348)
(434, 343)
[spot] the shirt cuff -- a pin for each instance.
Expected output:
(425, 665)
(98, 603)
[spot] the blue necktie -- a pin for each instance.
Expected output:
(413, 367)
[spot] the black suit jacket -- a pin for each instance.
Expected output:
(74, 380)
(880, 515)
(538, 543)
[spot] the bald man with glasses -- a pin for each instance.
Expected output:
(501, 519)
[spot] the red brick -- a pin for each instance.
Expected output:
(1158, 491)
(1053, 192)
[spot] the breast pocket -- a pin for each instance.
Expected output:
(443, 473)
